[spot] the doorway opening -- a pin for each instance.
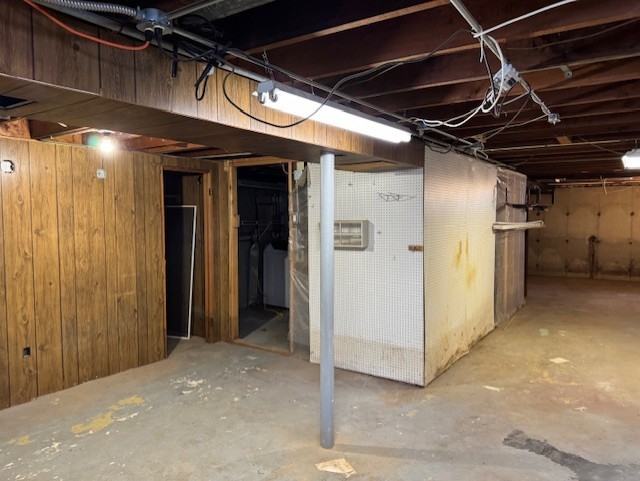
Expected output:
(184, 256)
(263, 256)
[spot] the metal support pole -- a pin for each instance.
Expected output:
(327, 162)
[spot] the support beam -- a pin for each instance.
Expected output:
(407, 37)
(327, 164)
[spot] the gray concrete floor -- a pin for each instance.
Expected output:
(226, 412)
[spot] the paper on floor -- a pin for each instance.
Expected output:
(338, 466)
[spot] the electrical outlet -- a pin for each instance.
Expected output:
(101, 174)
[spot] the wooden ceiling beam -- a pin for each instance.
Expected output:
(288, 22)
(412, 36)
(517, 146)
(585, 76)
(592, 95)
(608, 126)
(466, 66)
(487, 121)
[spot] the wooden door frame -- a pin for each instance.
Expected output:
(234, 225)
(208, 247)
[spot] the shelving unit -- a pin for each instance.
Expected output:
(351, 234)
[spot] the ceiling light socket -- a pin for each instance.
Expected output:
(7, 167)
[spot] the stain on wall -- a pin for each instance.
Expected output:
(589, 232)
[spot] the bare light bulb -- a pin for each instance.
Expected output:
(107, 144)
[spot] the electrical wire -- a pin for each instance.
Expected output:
(82, 34)
(598, 147)
(523, 17)
(493, 132)
(577, 39)
(386, 67)
(257, 119)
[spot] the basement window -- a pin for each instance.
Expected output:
(7, 102)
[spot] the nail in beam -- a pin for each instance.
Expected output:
(327, 162)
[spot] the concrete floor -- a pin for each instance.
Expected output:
(511, 410)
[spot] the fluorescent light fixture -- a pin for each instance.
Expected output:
(631, 159)
(301, 104)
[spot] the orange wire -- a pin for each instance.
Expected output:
(81, 34)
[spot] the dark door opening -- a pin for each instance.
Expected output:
(184, 256)
(263, 256)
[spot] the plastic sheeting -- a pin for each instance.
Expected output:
(510, 246)
(299, 249)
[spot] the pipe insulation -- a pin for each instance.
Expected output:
(94, 7)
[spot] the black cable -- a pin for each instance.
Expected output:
(388, 66)
(493, 132)
(253, 117)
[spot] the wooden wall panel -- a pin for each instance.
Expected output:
(141, 264)
(67, 254)
(109, 165)
(5, 396)
(91, 296)
(156, 88)
(18, 16)
(222, 199)
(211, 328)
(61, 58)
(239, 91)
(46, 266)
(117, 69)
(126, 262)
(155, 263)
(18, 255)
(82, 269)
(192, 195)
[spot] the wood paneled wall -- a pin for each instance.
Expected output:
(106, 81)
(82, 265)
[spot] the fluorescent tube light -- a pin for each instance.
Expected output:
(301, 104)
(631, 159)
